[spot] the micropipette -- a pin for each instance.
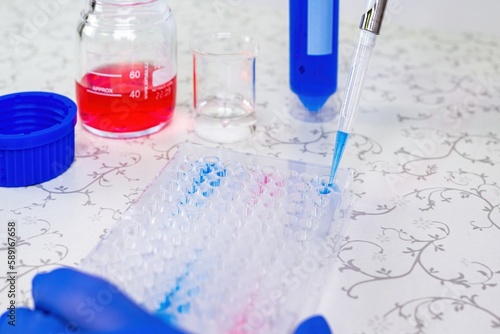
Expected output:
(371, 21)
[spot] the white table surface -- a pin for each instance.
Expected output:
(420, 252)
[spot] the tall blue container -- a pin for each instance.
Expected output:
(314, 50)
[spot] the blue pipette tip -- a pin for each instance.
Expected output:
(340, 142)
(313, 103)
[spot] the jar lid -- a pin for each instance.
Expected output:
(37, 137)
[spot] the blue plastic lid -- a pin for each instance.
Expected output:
(37, 137)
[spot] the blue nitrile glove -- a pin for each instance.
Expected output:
(68, 301)
(28, 321)
(314, 325)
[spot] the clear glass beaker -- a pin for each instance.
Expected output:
(224, 86)
(127, 70)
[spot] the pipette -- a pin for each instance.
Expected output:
(371, 22)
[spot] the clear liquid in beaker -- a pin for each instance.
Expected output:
(225, 120)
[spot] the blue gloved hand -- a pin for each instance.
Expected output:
(68, 301)
(314, 325)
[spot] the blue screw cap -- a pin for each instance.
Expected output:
(37, 137)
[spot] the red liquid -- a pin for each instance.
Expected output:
(121, 98)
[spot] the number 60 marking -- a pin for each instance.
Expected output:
(135, 74)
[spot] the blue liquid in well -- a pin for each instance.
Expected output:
(325, 191)
(205, 266)
(313, 51)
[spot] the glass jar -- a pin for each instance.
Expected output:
(127, 68)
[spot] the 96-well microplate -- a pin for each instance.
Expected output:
(224, 242)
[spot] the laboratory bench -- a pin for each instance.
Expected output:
(419, 253)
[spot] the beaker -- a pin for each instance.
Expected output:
(127, 69)
(224, 86)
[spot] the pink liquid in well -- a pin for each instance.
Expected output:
(122, 98)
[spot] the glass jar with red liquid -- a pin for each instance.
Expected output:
(127, 70)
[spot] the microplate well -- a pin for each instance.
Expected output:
(225, 242)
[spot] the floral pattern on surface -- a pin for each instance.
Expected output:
(419, 254)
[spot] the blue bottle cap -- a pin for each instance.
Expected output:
(37, 137)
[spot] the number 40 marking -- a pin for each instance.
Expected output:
(135, 94)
